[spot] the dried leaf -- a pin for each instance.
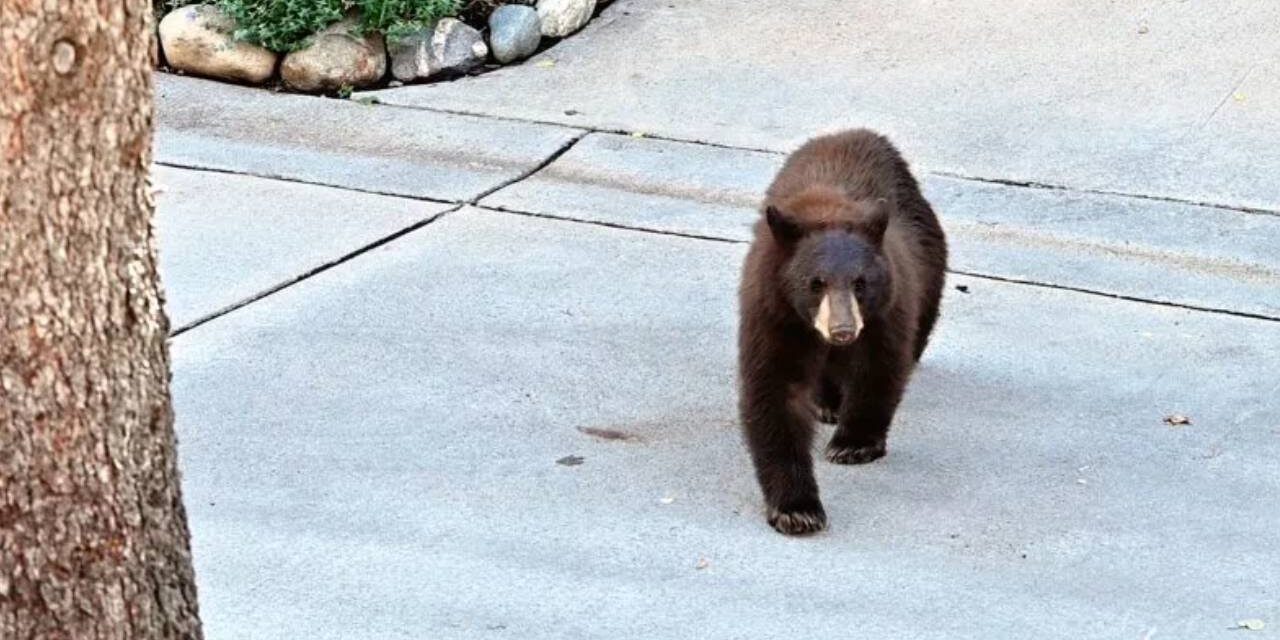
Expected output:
(608, 434)
(1252, 624)
(1177, 420)
(570, 461)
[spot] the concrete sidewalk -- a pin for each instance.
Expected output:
(372, 454)
(393, 323)
(1150, 97)
(1206, 257)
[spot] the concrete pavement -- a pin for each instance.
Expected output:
(372, 454)
(1159, 98)
(395, 329)
(236, 237)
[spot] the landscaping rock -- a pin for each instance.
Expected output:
(338, 57)
(514, 32)
(199, 39)
(451, 47)
(562, 17)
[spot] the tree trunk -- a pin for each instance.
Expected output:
(93, 536)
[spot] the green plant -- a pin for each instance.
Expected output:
(282, 25)
(399, 17)
(287, 25)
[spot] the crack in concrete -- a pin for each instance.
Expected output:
(552, 157)
(292, 180)
(961, 272)
(1230, 92)
(607, 225)
(1046, 186)
(1117, 296)
(1028, 184)
(351, 255)
(585, 131)
(583, 127)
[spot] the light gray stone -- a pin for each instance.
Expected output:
(338, 57)
(514, 32)
(563, 17)
(199, 39)
(450, 47)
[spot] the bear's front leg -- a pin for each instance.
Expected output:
(871, 397)
(777, 421)
(828, 399)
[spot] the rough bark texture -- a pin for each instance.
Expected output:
(93, 537)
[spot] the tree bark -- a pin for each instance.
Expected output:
(93, 536)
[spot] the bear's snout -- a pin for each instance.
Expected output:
(843, 336)
(838, 318)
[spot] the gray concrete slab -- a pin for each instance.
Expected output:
(1219, 147)
(1122, 96)
(344, 143)
(372, 454)
(655, 184)
(1183, 254)
(226, 238)
(1171, 252)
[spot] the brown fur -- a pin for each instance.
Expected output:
(844, 217)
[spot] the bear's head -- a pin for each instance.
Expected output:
(834, 273)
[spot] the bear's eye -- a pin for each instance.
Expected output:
(859, 284)
(816, 285)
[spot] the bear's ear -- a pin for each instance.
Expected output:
(784, 229)
(876, 220)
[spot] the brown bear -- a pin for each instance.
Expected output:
(840, 291)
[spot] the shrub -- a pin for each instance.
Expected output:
(282, 25)
(286, 25)
(398, 17)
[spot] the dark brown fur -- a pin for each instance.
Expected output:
(844, 211)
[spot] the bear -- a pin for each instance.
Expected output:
(840, 291)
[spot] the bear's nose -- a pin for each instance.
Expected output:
(843, 335)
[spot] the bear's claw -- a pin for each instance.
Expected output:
(855, 455)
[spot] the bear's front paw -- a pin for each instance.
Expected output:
(855, 454)
(799, 517)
